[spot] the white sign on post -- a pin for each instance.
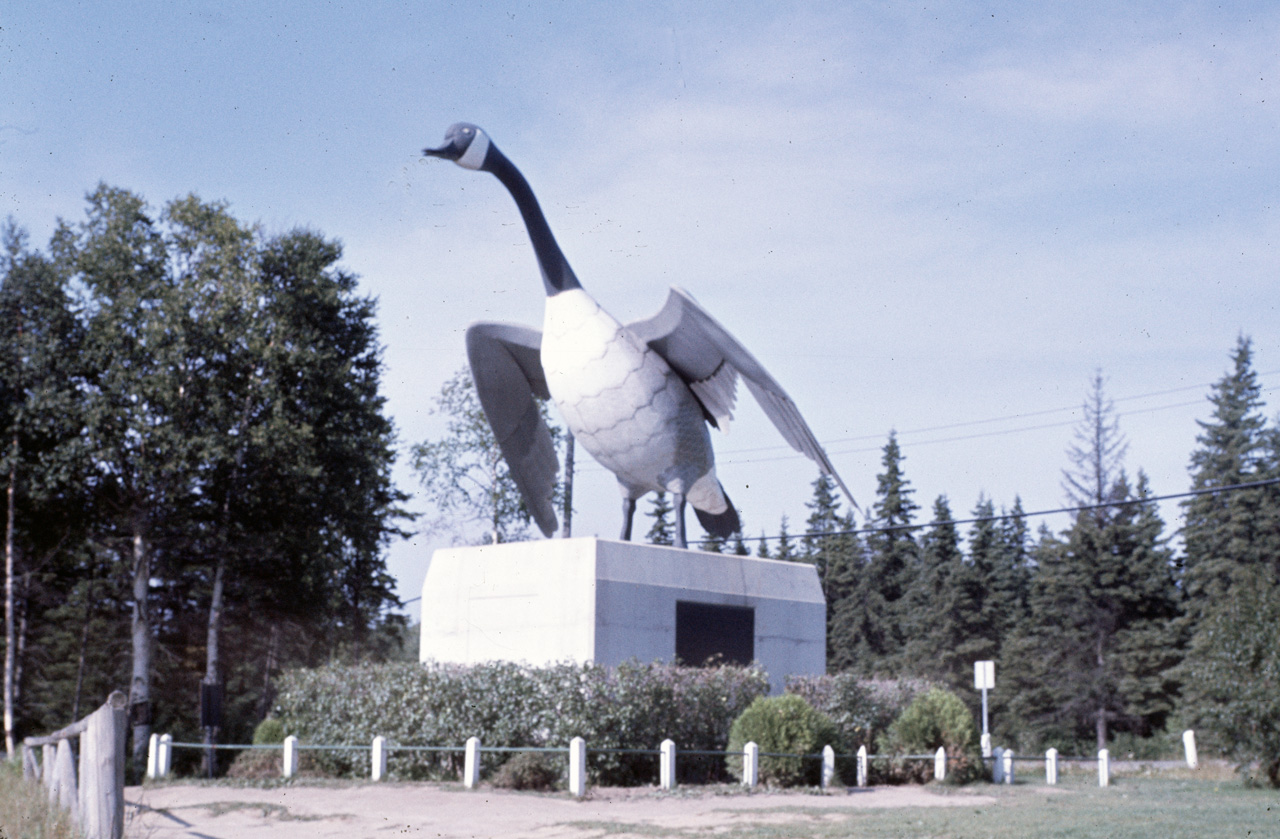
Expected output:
(984, 675)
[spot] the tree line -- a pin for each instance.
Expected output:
(1099, 631)
(196, 460)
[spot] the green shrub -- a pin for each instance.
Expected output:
(529, 770)
(632, 706)
(270, 732)
(783, 725)
(935, 719)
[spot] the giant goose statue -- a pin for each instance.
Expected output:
(638, 396)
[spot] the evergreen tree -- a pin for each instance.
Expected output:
(892, 548)
(762, 546)
(1096, 652)
(855, 612)
(785, 550)
(933, 620)
(739, 546)
(1227, 533)
(661, 531)
(824, 517)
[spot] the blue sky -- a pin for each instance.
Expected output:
(917, 217)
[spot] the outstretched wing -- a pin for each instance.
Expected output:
(710, 360)
(506, 365)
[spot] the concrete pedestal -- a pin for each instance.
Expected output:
(596, 600)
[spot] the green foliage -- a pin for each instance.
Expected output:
(1235, 660)
(861, 709)
(632, 706)
(784, 724)
(933, 720)
(26, 811)
(530, 770)
(269, 732)
(464, 474)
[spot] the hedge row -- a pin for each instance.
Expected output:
(632, 706)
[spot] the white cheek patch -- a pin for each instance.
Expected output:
(476, 152)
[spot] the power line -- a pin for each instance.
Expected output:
(1002, 516)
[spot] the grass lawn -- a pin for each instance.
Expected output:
(1132, 808)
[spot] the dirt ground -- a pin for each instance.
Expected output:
(189, 811)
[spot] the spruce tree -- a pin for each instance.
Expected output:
(785, 550)
(932, 622)
(1227, 533)
(660, 532)
(892, 548)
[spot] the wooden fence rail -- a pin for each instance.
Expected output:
(95, 794)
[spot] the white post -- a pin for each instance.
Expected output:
(48, 758)
(1104, 768)
(290, 757)
(64, 786)
(1008, 766)
(828, 766)
(986, 745)
(1189, 746)
(862, 766)
(750, 765)
(577, 767)
(940, 764)
(153, 755)
(667, 765)
(378, 758)
(997, 765)
(471, 764)
(102, 758)
(1051, 767)
(165, 761)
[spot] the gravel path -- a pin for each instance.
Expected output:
(190, 811)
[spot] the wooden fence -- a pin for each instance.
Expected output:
(95, 794)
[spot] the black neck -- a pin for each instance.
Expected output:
(557, 276)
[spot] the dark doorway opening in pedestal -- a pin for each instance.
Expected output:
(725, 634)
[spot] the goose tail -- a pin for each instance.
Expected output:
(721, 525)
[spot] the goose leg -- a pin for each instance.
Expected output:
(628, 513)
(677, 501)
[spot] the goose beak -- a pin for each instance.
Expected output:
(449, 151)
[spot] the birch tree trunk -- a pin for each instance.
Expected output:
(10, 639)
(140, 687)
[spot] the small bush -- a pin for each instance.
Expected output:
(529, 770)
(782, 724)
(270, 732)
(935, 719)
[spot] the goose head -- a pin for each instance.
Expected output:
(465, 144)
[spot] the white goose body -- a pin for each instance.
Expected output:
(637, 397)
(625, 405)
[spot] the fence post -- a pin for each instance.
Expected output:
(577, 767)
(828, 766)
(153, 755)
(750, 764)
(471, 764)
(1189, 746)
(102, 753)
(165, 763)
(940, 764)
(290, 756)
(30, 770)
(667, 765)
(862, 766)
(64, 780)
(1051, 767)
(378, 758)
(1008, 766)
(1104, 768)
(48, 763)
(997, 765)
